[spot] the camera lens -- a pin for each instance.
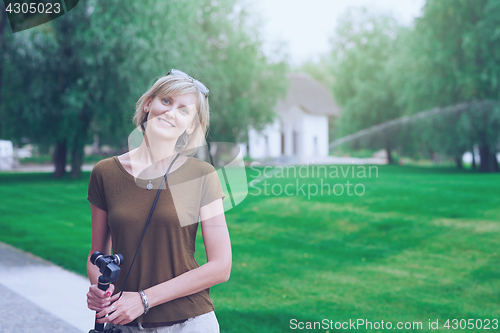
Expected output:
(118, 259)
(95, 256)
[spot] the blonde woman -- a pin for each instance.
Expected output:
(167, 290)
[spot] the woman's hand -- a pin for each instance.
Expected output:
(124, 310)
(98, 299)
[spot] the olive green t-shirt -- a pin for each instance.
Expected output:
(168, 247)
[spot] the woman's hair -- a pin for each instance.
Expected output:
(172, 85)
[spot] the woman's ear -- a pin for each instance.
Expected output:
(147, 105)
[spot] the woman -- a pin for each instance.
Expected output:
(166, 287)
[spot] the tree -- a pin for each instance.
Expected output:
(86, 70)
(362, 45)
(58, 65)
(245, 83)
(453, 56)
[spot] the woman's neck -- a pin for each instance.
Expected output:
(151, 153)
(151, 161)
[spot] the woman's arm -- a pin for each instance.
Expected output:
(216, 270)
(101, 241)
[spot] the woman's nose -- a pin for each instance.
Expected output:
(169, 110)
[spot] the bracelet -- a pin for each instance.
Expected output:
(144, 301)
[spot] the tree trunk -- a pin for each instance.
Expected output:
(458, 162)
(473, 158)
(390, 159)
(95, 145)
(76, 161)
(79, 140)
(60, 154)
(484, 155)
(489, 161)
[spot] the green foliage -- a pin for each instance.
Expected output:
(443, 60)
(454, 46)
(450, 57)
(362, 45)
(85, 71)
(245, 84)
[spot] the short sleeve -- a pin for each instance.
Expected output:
(96, 188)
(212, 189)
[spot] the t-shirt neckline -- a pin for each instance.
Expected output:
(130, 176)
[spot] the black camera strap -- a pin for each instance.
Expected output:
(147, 223)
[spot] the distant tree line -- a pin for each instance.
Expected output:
(79, 76)
(379, 70)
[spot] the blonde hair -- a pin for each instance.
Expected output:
(172, 85)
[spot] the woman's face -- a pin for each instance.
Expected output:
(170, 116)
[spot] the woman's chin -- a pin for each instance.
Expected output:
(162, 134)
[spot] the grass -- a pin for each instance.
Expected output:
(358, 153)
(420, 244)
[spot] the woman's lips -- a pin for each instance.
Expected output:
(165, 123)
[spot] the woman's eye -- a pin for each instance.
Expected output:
(184, 110)
(166, 101)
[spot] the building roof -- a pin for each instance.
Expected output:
(308, 94)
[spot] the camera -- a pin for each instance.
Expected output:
(110, 270)
(108, 265)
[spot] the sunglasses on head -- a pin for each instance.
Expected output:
(204, 90)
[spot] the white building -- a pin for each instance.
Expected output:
(302, 128)
(6, 155)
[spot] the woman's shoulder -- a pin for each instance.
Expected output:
(200, 165)
(104, 164)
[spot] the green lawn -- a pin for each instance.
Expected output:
(419, 244)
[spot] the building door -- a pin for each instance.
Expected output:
(267, 146)
(282, 143)
(294, 137)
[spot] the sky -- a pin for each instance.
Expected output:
(306, 25)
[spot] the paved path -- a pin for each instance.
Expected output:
(37, 296)
(44, 168)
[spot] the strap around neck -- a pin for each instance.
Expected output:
(147, 222)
